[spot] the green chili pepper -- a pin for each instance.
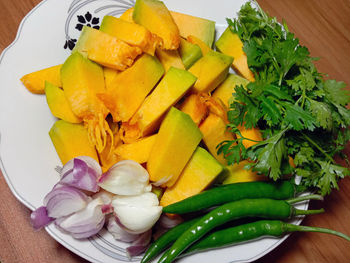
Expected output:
(232, 192)
(263, 208)
(166, 240)
(250, 231)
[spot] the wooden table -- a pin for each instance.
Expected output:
(324, 27)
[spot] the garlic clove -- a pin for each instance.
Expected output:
(146, 199)
(126, 177)
(137, 213)
(138, 219)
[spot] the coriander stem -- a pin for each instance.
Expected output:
(237, 131)
(318, 147)
(244, 138)
(303, 99)
(280, 80)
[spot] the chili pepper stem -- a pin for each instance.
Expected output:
(298, 212)
(304, 198)
(297, 228)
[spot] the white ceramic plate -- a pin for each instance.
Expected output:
(27, 155)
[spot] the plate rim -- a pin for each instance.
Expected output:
(18, 196)
(2, 166)
(50, 228)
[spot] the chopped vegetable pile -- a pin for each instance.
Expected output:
(301, 115)
(149, 117)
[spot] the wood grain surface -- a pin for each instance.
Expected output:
(324, 27)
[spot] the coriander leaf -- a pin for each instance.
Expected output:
(256, 89)
(236, 113)
(233, 151)
(255, 57)
(337, 119)
(277, 92)
(304, 173)
(302, 114)
(271, 112)
(251, 117)
(286, 167)
(336, 93)
(317, 94)
(305, 81)
(270, 154)
(294, 143)
(298, 118)
(305, 155)
(249, 112)
(322, 112)
(267, 75)
(230, 150)
(329, 176)
(345, 115)
(342, 138)
(288, 53)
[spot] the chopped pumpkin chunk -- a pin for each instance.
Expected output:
(131, 33)
(210, 71)
(203, 46)
(200, 171)
(129, 89)
(138, 151)
(170, 89)
(71, 140)
(169, 58)
(109, 75)
(226, 89)
(202, 28)
(105, 49)
(175, 143)
(194, 106)
(215, 106)
(127, 15)
(189, 53)
(237, 174)
(252, 133)
(82, 80)
(214, 132)
(155, 16)
(230, 44)
(35, 81)
(130, 133)
(58, 104)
